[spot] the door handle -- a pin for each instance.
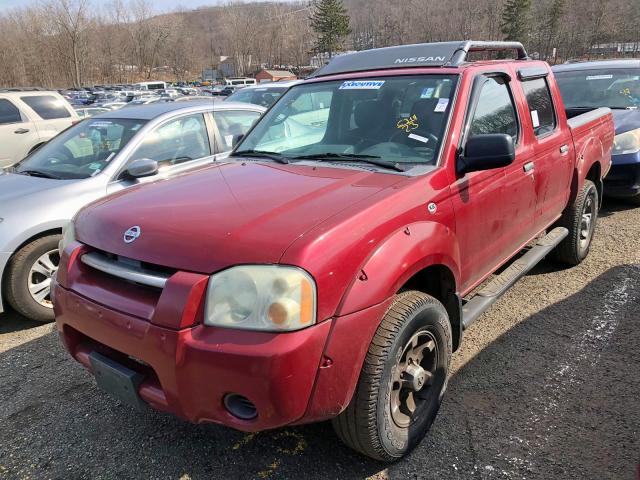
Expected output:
(20, 131)
(564, 148)
(528, 167)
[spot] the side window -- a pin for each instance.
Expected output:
(495, 112)
(232, 123)
(9, 113)
(47, 106)
(177, 141)
(538, 96)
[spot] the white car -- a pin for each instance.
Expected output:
(29, 118)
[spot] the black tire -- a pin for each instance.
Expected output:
(370, 424)
(575, 248)
(17, 277)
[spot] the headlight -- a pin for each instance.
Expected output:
(627, 142)
(261, 297)
(68, 236)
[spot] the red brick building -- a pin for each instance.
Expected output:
(274, 76)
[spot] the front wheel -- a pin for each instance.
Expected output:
(580, 219)
(29, 276)
(402, 381)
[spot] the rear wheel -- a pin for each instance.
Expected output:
(402, 382)
(29, 276)
(580, 219)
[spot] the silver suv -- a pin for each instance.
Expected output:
(99, 156)
(29, 118)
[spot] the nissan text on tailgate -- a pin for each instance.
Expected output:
(329, 267)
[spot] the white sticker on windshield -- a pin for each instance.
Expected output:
(534, 118)
(442, 105)
(419, 138)
(228, 139)
(427, 92)
(100, 124)
(362, 85)
(599, 77)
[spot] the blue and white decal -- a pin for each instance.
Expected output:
(362, 85)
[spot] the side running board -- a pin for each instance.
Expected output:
(486, 297)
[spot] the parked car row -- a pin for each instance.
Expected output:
(328, 267)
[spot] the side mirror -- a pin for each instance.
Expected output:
(485, 152)
(236, 140)
(142, 167)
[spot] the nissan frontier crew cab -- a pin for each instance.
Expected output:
(329, 267)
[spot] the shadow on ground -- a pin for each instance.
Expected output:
(554, 397)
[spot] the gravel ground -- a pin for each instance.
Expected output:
(546, 386)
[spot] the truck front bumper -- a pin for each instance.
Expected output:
(189, 372)
(623, 179)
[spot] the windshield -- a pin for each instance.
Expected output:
(263, 96)
(614, 88)
(81, 151)
(400, 120)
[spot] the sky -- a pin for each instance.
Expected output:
(161, 5)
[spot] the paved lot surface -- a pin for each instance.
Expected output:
(546, 386)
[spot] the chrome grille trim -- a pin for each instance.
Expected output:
(122, 270)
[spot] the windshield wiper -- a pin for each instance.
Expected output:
(39, 173)
(352, 157)
(275, 156)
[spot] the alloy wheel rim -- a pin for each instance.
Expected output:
(587, 221)
(40, 277)
(412, 378)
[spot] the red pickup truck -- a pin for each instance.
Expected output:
(329, 267)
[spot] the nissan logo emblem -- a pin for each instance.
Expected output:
(132, 234)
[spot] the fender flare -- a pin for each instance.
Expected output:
(412, 248)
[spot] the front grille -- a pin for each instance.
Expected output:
(134, 271)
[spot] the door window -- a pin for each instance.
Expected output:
(47, 106)
(9, 113)
(543, 117)
(495, 112)
(175, 142)
(232, 123)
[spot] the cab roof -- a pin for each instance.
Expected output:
(442, 54)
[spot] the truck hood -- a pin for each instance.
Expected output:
(625, 120)
(240, 212)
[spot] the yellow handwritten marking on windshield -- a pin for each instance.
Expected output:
(408, 124)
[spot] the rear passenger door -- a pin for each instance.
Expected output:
(17, 133)
(551, 147)
(52, 114)
(230, 125)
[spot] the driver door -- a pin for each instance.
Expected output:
(178, 145)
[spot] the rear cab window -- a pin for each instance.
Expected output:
(541, 109)
(9, 113)
(47, 107)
